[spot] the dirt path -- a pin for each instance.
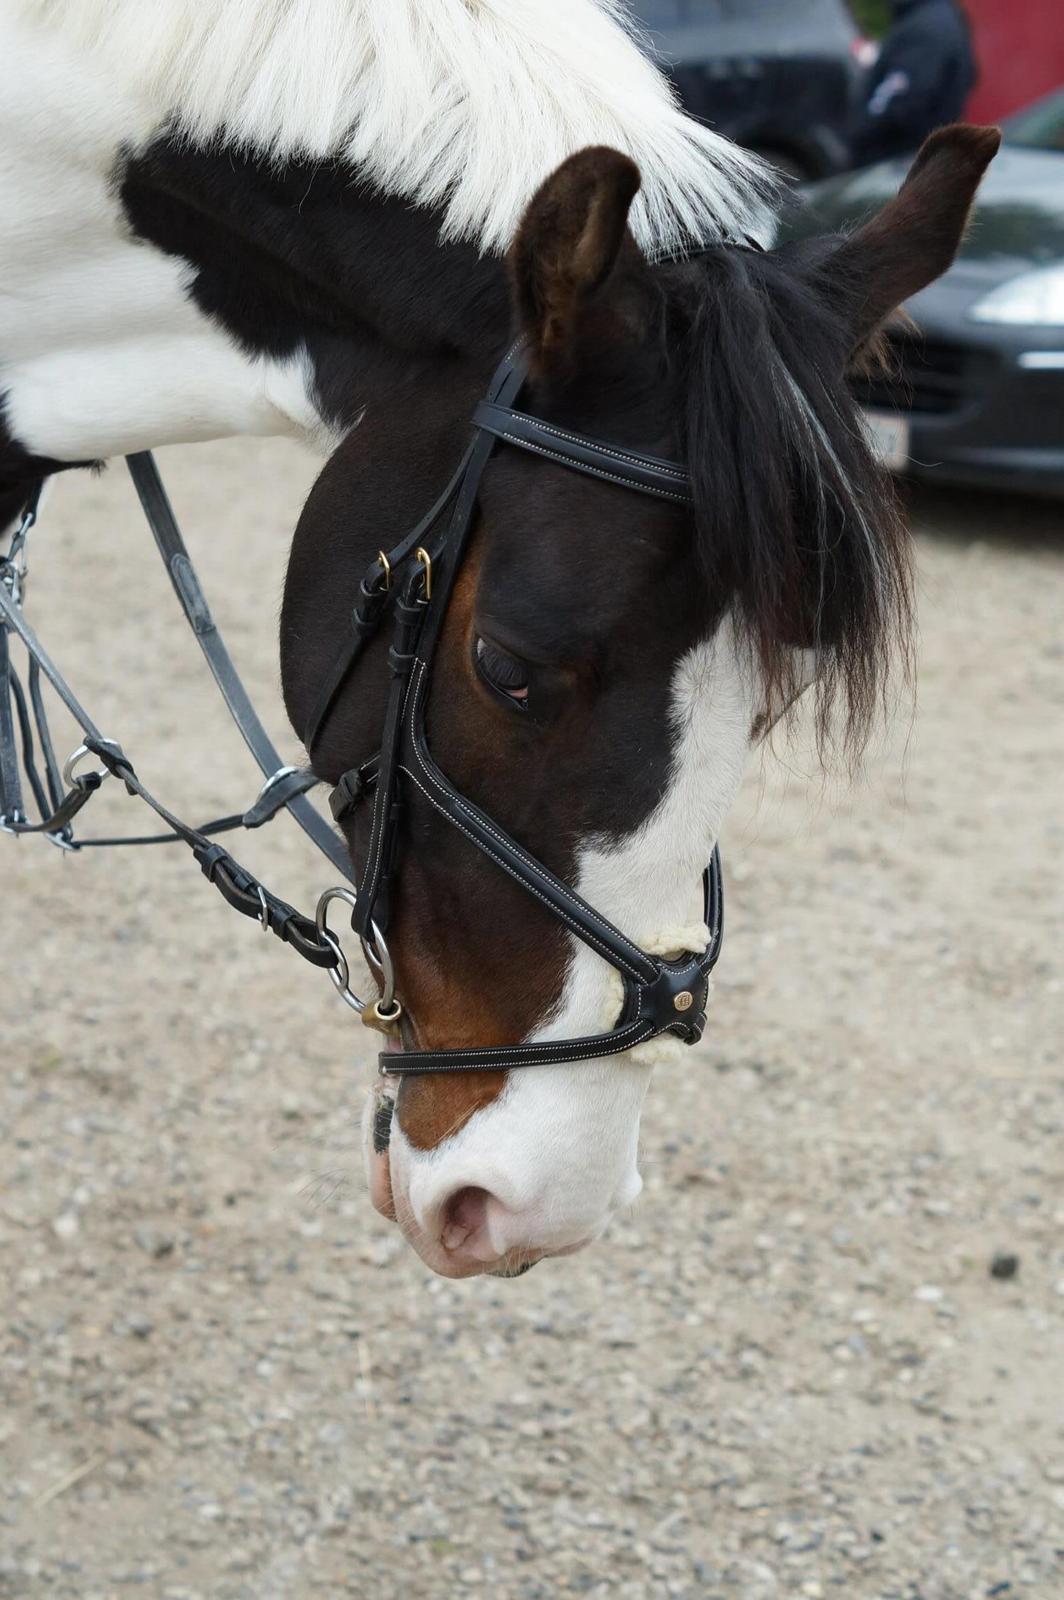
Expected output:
(787, 1373)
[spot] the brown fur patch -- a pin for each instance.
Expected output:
(436, 1107)
(495, 986)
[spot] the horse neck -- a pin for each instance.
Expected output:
(229, 295)
(304, 265)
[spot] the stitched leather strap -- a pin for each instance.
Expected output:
(182, 574)
(507, 1058)
(650, 1009)
(374, 591)
(628, 468)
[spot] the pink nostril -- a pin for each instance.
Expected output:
(464, 1216)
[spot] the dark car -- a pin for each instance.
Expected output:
(975, 389)
(778, 76)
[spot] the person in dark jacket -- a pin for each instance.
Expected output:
(925, 73)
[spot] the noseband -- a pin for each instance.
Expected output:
(414, 582)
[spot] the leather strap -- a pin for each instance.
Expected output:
(240, 888)
(518, 863)
(284, 786)
(377, 586)
(508, 1058)
(372, 600)
(11, 810)
(186, 585)
(628, 468)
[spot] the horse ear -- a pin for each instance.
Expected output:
(567, 246)
(915, 237)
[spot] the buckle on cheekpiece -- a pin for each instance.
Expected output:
(352, 787)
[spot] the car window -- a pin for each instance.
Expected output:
(677, 13)
(685, 13)
(1041, 127)
(712, 28)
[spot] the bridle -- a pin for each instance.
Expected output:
(413, 583)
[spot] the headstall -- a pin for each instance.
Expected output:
(413, 582)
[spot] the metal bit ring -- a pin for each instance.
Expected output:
(376, 954)
(71, 778)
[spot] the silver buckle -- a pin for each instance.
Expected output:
(384, 1012)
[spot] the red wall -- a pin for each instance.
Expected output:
(1020, 48)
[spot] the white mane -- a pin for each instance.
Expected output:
(466, 104)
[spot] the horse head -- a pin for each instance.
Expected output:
(606, 661)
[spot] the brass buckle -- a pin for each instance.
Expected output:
(424, 560)
(384, 1019)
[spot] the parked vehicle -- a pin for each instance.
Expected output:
(778, 76)
(975, 389)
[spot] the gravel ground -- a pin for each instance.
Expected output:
(789, 1372)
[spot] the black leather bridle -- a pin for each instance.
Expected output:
(414, 582)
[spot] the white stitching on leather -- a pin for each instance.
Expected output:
(607, 954)
(625, 1035)
(612, 955)
(529, 861)
(558, 1052)
(653, 463)
(626, 1038)
(596, 472)
(533, 866)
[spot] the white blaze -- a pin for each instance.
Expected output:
(559, 1146)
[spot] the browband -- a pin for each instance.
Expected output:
(630, 468)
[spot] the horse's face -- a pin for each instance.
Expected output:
(605, 666)
(584, 695)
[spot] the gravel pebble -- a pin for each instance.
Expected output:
(1004, 1264)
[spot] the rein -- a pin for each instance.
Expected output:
(61, 794)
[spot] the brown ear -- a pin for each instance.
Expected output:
(568, 244)
(915, 237)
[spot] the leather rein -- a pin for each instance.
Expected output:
(413, 582)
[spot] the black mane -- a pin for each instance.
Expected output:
(796, 523)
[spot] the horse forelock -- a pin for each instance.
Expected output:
(798, 529)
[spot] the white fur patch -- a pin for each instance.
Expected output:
(559, 1145)
(467, 104)
(463, 103)
(101, 349)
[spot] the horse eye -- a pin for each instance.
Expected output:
(503, 673)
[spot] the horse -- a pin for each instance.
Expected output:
(341, 220)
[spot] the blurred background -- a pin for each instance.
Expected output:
(839, 97)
